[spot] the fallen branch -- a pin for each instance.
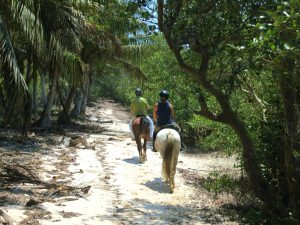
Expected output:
(7, 219)
(105, 121)
(18, 174)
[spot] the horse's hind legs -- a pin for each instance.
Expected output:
(172, 185)
(145, 150)
(141, 155)
(140, 150)
(172, 182)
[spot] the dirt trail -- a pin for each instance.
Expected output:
(122, 190)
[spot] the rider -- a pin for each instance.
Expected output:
(139, 107)
(163, 115)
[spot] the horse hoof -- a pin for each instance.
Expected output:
(171, 191)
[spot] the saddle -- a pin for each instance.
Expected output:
(144, 122)
(144, 126)
(170, 126)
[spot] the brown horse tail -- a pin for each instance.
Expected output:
(167, 159)
(144, 125)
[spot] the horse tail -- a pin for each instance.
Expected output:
(141, 124)
(145, 126)
(167, 158)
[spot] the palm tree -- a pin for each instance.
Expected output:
(53, 31)
(60, 40)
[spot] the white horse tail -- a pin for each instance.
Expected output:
(167, 158)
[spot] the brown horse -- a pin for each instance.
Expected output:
(141, 130)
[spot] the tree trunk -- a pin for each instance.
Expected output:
(28, 71)
(77, 104)
(34, 92)
(43, 89)
(288, 92)
(27, 113)
(258, 183)
(64, 116)
(85, 96)
(90, 88)
(45, 121)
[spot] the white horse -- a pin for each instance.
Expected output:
(168, 144)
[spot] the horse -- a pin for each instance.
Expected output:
(141, 130)
(168, 144)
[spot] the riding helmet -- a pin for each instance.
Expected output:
(164, 93)
(138, 92)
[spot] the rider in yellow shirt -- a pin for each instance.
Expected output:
(139, 107)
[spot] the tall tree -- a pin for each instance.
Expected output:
(198, 32)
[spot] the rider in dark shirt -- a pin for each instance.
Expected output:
(163, 114)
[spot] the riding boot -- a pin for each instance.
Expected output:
(154, 138)
(183, 146)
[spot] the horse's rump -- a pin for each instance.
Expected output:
(141, 127)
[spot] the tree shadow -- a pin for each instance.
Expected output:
(158, 185)
(141, 211)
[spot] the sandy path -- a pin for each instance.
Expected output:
(122, 190)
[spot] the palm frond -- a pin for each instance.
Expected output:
(30, 24)
(74, 69)
(8, 57)
(136, 52)
(129, 68)
(87, 4)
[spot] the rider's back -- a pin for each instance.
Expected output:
(139, 106)
(164, 113)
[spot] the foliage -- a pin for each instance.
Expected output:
(220, 183)
(236, 50)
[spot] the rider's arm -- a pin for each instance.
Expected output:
(147, 105)
(155, 112)
(172, 111)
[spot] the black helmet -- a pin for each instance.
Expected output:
(164, 93)
(138, 92)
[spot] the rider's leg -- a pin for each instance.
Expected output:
(151, 126)
(157, 128)
(131, 131)
(183, 147)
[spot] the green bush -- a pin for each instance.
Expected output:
(218, 183)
